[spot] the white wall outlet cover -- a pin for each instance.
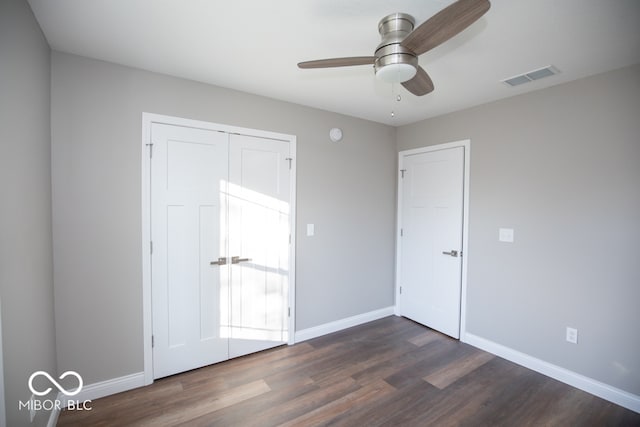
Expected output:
(505, 235)
(311, 229)
(335, 134)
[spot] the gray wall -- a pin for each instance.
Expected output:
(347, 190)
(562, 167)
(26, 284)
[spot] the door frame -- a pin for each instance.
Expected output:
(147, 120)
(466, 144)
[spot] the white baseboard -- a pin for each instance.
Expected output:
(98, 390)
(338, 325)
(597, 388)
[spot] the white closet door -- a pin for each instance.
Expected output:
(259, 210)
(220, 226)
(189, 294)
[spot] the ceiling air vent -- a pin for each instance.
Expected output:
(530, 76)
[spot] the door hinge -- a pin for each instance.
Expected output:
(289, 238)
(290, 160)
(150, 145)
(153, 341)
(401, 232)
(402, 171)
(151, 248)
(289, 312)
(400, 290)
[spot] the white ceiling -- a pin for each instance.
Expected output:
(254, 46)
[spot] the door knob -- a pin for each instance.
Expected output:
(452, 253)
(220, 261)
(237, 260)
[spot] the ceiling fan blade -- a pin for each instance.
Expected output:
(420, 84)
(445, 24)
(338, 62)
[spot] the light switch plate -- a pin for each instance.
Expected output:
(311, 230)
(505, 235)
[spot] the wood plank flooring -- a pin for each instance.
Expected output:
(391, 372)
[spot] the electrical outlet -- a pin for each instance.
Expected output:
(572, 335)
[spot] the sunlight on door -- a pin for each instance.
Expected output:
(253, 307)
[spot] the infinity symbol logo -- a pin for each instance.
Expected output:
(58, 386)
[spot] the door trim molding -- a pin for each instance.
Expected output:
(147, 120)
(466, 144)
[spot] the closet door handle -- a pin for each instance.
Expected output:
(237, 260)
(220, 261)
(451, 253)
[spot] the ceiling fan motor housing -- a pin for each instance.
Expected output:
(393, 29)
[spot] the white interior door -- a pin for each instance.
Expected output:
(259, 209)
(189, 295)
(220, 227)
(432, 194)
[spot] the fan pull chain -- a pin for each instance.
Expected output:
(393, 94)
(396, 96)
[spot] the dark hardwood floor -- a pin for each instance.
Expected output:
(391, 372)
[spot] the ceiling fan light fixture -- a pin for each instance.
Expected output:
(396, 73)
(395, 63)
(396, 57)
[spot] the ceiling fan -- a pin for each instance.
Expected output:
(396, 57)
